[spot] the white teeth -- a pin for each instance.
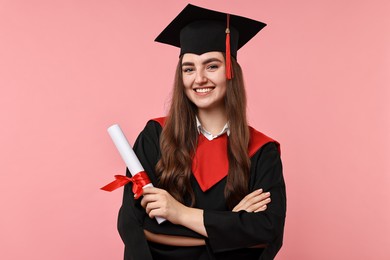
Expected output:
(203, 90)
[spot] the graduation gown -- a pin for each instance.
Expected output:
(230, 234)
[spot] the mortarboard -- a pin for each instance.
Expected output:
(198, 30)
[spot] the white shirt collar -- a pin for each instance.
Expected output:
(209, 135)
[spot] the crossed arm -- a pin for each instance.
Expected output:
(158, 202)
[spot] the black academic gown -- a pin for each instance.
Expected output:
(230, 234)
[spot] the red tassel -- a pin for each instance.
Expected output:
(229, 71)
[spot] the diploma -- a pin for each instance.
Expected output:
(139, 178)
(125, 150)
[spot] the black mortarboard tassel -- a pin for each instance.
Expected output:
(198, 30)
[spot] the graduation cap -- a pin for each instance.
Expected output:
(198, 30)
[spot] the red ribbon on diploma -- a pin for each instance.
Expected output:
(139, 180)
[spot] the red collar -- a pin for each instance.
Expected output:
(210, 164)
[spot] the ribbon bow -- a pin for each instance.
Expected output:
(139, 180)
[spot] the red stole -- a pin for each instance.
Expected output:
(210, 164)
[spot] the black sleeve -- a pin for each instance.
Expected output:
(131, 217)
(233, 230)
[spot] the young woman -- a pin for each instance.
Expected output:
(218, 182)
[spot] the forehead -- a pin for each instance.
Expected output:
(194, 58)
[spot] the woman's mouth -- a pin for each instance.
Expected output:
(203, 90)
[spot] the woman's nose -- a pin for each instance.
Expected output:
(200, 78)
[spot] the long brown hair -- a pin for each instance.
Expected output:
(179, 139)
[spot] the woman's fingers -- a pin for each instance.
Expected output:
(152, 201)
(152, 206)
(149, 195)
(242, 204)
(263, 208)
(158, 202)
(259, 202)
(260, 198)
(254, 202)
(259, 206)
(254, 198)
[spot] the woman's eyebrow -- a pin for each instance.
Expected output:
(211, 60)
(188, 63)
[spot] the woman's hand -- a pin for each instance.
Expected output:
(255, 201)
(158, 202)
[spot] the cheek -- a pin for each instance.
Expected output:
(220, 78)
(187, 82)
(187, 86)
(187, 92)
(223, 85)
(224, 90)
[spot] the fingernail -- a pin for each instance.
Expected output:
(260, 190)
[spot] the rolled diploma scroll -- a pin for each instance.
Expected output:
(128, 155)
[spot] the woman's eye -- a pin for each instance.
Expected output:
(212, 67)
(188, 70)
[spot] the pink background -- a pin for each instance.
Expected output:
(318, 81)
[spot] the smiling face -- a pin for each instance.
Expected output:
(204, 79)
